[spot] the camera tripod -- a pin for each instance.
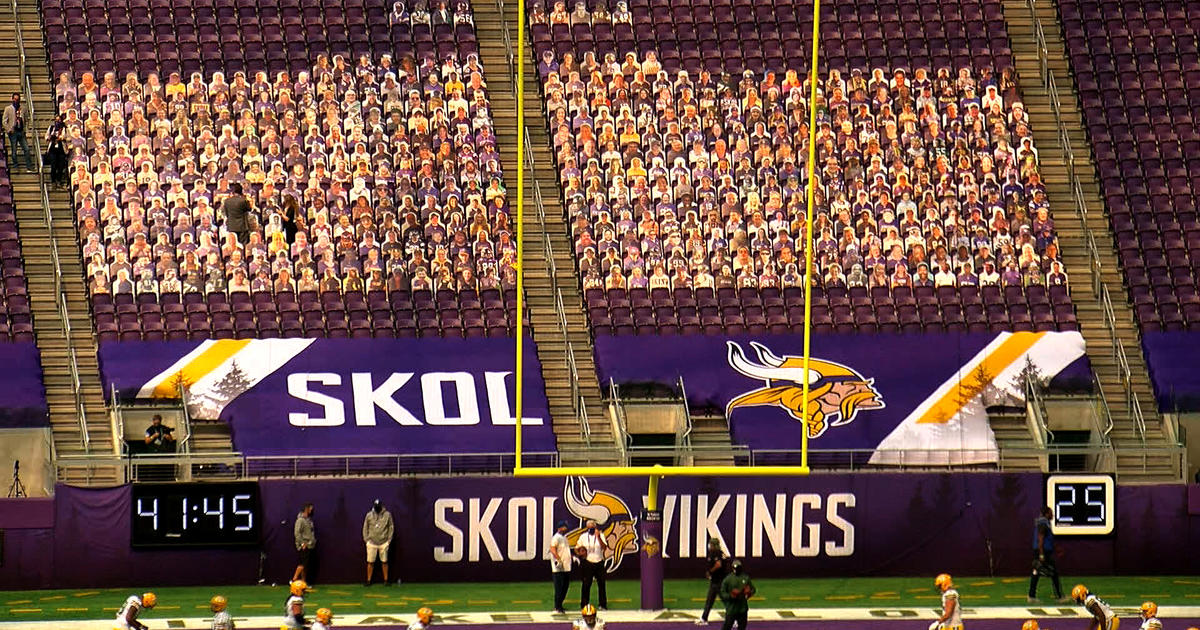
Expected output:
(17, 489)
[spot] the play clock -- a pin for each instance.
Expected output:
(1082, 504)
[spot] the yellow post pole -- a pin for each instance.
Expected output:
(520, 266)
(808, 222)
(652, 494)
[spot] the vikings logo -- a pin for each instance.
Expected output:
(835, 392)
(651, 546)
(612, 517)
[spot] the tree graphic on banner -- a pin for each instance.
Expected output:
(1029, 375)
(208, 404)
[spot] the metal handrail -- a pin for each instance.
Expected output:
(622, 432)
(686, 438)
(240, 466)
(1102, 293)
(48, 220)
(509, 56)
(1034, 405)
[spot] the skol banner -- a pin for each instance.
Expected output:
(1171, 359)
(22, 392)
(337, 396)
(923, 395)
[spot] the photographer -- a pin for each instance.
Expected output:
(158, 435)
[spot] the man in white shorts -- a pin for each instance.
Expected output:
(377, 534)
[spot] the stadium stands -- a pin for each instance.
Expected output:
(1137, 68)
(16, 322)
(684, 190)
(376, 186)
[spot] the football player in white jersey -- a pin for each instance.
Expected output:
(293, 608)
(1150, 616)
(324, 619)
(424, 619)
(589, 620)
(1103, 617)
(221, 619)
(951, 617)
(127, 617)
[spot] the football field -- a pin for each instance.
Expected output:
(793, 604)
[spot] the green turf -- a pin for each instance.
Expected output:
(623, 594)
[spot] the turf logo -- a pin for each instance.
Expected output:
(836, 392)
(613, 518)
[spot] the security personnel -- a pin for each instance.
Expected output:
(716, 570)
(736, 591)
(221, 619)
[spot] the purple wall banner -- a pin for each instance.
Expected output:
(498, 528)
(878, 393)
(339, 396)
(1171, 359)
(22, 392)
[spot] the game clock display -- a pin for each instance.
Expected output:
(209, 514)
(1082, 504)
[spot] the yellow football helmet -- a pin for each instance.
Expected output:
(943, 581)
(218, 603)
(1079, 593)
(1030, 625)
(425, 614)
(298, 588)
(1149, 609)
(324, 615)
(149, 600)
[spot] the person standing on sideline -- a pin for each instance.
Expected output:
(1043, 557)
(377, 534)
(306, 540)
(591, 547)
(14, 126)
(717, 569)
(237, 214)
(560, 564)
(736, 591)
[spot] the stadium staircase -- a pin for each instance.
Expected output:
(68, 352)
(564, 343)
(1141, 455)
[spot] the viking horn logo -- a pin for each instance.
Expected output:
(836, 392)
(612, 515)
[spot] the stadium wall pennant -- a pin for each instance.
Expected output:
(920, 397)
(342, 396)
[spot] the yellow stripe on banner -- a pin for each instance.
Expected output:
(216, 354)
(995, 362)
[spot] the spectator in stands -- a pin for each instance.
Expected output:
(14, 125)
(158, 435)
(237, 214)
(305, 535)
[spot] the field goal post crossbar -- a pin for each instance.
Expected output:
(654, 473)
